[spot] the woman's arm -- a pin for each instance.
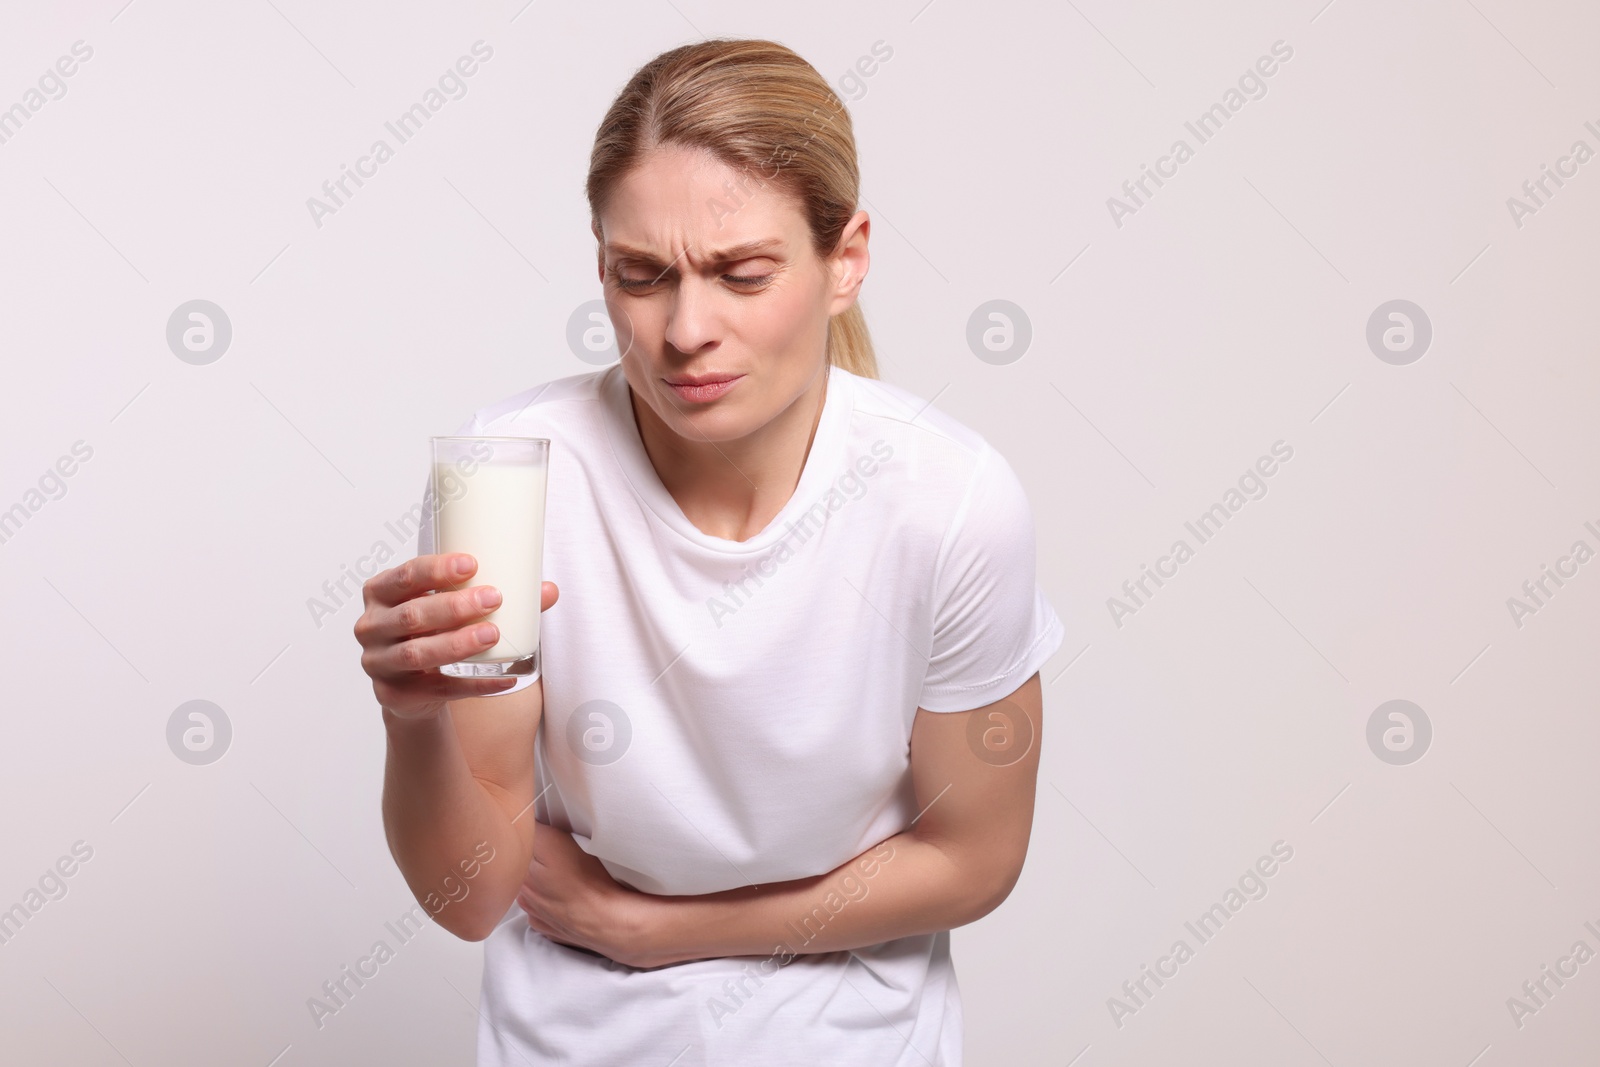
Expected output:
(903, 886)
(974, 784)
(459, 773)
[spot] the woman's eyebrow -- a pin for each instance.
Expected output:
(718, 256)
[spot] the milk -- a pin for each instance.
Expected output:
(496, 515)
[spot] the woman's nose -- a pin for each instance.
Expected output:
(690, 319)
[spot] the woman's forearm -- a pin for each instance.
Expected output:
(903, 886)
(459, 851)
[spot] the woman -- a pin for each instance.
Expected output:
(789, 698)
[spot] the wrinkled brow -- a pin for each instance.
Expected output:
(720, 255)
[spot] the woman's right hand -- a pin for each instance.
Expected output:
(407, 632)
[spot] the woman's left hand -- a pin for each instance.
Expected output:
(571, 898)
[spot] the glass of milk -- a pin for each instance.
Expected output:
(488, 501)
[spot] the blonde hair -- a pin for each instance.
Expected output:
(756, 106)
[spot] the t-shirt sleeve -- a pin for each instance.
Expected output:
(992, 627)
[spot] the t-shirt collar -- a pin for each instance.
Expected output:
(823, 462)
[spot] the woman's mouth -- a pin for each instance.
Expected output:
(703, 388)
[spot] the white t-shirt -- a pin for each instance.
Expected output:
(724, 713)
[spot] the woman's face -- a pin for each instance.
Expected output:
(708, 276)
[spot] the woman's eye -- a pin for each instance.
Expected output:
(748, 281)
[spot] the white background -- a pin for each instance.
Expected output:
(1228, 313)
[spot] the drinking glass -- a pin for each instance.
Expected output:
(488, 501)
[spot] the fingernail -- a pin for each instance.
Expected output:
(484, 633)
(488, 597)
(463, 565)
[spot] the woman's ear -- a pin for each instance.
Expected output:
(849, 262)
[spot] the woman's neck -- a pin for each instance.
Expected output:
(734, 489)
